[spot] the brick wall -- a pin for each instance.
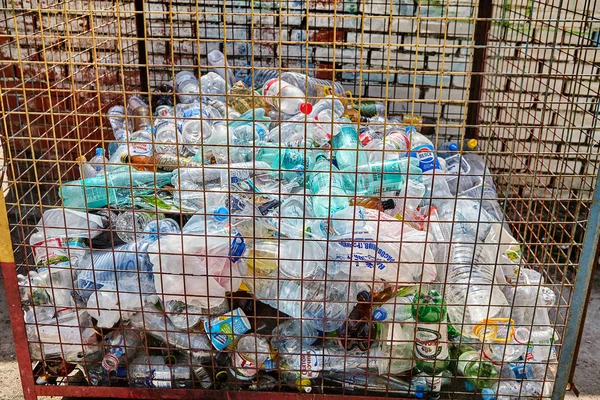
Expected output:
(541, 98)
(62, 63)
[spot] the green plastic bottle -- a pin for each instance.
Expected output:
(479, 372)
(431, 332)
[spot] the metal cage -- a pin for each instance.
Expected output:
(521, 77)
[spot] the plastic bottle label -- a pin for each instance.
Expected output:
(143, 149)
(222, 329)
(426, 156)
(244, 368)
(54, 251)
(311, 364)
(430, 343)
(159, 379)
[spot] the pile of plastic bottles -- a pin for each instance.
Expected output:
(272, 236)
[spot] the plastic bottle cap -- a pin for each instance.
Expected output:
(221, 214)
(469, 386)
(472, 143)
(306, 108)
(363, 295)
(488, 394)
(420, 392)
(453, 147)
(99, 151)
(379, 314)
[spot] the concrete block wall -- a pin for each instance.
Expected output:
(417, 52)
(541, 85)
(541, 98)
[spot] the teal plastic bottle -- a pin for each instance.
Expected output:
(376, 178)
(289, 162)
(346, 146)
(112, 188)
(327, 186)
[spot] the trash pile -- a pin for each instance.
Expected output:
(266, 234)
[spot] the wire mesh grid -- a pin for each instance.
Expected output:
(520, 77)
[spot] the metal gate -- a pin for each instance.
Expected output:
(514, 85)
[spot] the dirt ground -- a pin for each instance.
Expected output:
(587, 379)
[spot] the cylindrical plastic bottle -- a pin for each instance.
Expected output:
(85, 169)
(396, 309)
(138, 110)
(512, 390)
(346, 149)
(130, 225)
(479, 372)
(431, 333)
(309, 363)
(358, 331)
(98, 162)
(286, 97)
(120, 346)
(250, 353)
(157, 229)
(167, 139)
(327, 187)
(293, 336)
(187, 87)
(152, 372)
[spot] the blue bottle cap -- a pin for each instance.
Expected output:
(99, 151)
(453, 147)
(379, 314)
(488, 394)
(419, 392)
(221, 214)
(469, 386)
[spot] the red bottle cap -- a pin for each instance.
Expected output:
(306, 108)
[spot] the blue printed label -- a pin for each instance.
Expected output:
(222, 329)
(426, 156)
(237, 248)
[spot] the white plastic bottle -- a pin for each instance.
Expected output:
(286, 97)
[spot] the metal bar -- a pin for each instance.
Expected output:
(482, 28)
(141, 44)
(13, 299)
(141, 393)
(583, 281)
(571, 384)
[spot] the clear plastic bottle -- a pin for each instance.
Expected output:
(326, 185)
(167, 139)
(213, 86)
(396, 309)
(85, 169)
(129, 225)
(250, 353)
(216, 59)
(98, 162)
(309, 363)
(512, 390)
(152, 372)
(330, 104)
(126, 266)
(422, 148)
(507, 351)
(472, 295)
(161, 228)
(119, 347)
(187, 87)
(293, 336)
(156, 324)
(195, 129)
(286, 97)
